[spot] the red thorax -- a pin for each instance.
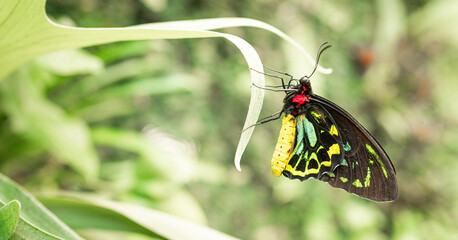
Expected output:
(301, 98)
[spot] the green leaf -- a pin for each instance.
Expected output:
(9, 216)
(35, 222)
(83, 212)
(26, 230)
(31, 34)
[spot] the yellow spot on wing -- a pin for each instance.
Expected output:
(333, 150)
(307, 171)
(326, 163)
(333, 130)
(295, 172)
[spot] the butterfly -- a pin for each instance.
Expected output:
(318, 139)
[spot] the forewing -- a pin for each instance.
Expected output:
(366, 169)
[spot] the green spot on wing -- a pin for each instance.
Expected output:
(300, 129)
(344, 162)
(347, 147)
(344, 179)
(367, 180)
(300, 135)
(371, 150)
(298, 150)
(316, 115)
(310, 132)
(331, 174)
(357, 183)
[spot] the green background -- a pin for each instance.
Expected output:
(165, 116)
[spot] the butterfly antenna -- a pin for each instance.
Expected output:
(318, 55)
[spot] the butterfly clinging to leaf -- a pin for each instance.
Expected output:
(318, 139)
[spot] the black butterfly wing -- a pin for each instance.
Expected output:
(366, 169)
(318, 148)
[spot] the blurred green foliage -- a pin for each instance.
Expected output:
(164, 116)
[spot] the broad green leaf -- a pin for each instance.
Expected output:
(26, 230)
(83, 212)
(9, 216)
(26, 25)
(26, 16)
(31, 34)
(36, 222)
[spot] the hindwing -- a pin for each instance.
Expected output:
(366, 169)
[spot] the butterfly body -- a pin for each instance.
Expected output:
(321, 140)
(284, 145)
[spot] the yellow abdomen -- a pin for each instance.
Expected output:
(284, 145)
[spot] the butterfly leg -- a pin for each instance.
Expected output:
(276, 90)
(272, 75)
(284, 73)
(267, 119)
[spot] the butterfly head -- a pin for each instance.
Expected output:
(304, 83)
(304, 92)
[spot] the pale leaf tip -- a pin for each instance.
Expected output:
(325, 70)
(237, 160)
(237, 166)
